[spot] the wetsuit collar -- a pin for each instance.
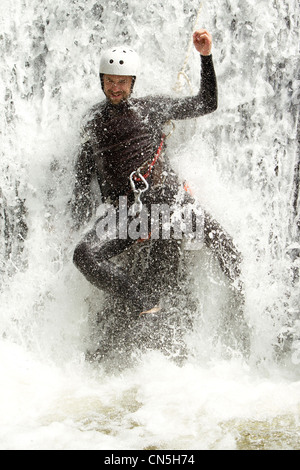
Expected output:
(120, 107)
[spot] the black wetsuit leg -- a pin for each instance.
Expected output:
(218, 241)
(233, 326)
(93, 257)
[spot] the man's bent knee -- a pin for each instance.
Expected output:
(80, 255)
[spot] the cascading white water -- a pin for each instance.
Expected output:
(241, 162)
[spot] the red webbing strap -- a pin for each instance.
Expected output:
(156, 157)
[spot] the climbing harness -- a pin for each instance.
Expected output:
(152, 163)
(137, 176)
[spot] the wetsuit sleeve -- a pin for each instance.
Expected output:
(205, 102)
(81, 206)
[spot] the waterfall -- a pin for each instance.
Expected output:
(242, 162)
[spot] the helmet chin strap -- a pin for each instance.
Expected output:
(133, 82)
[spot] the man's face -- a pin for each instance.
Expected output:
(117, 88)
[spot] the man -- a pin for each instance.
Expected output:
(124, 146)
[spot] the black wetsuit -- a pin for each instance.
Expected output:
(118, 140)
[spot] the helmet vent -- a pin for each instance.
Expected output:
(121, 62)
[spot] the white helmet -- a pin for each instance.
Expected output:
(119, 61)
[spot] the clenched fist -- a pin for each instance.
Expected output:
(202, 41)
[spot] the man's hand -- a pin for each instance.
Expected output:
(202, 41)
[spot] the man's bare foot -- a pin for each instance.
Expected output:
(155, 309)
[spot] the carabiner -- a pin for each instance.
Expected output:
(136, 208)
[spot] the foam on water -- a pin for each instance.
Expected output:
(154, 405)
(241, 163)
